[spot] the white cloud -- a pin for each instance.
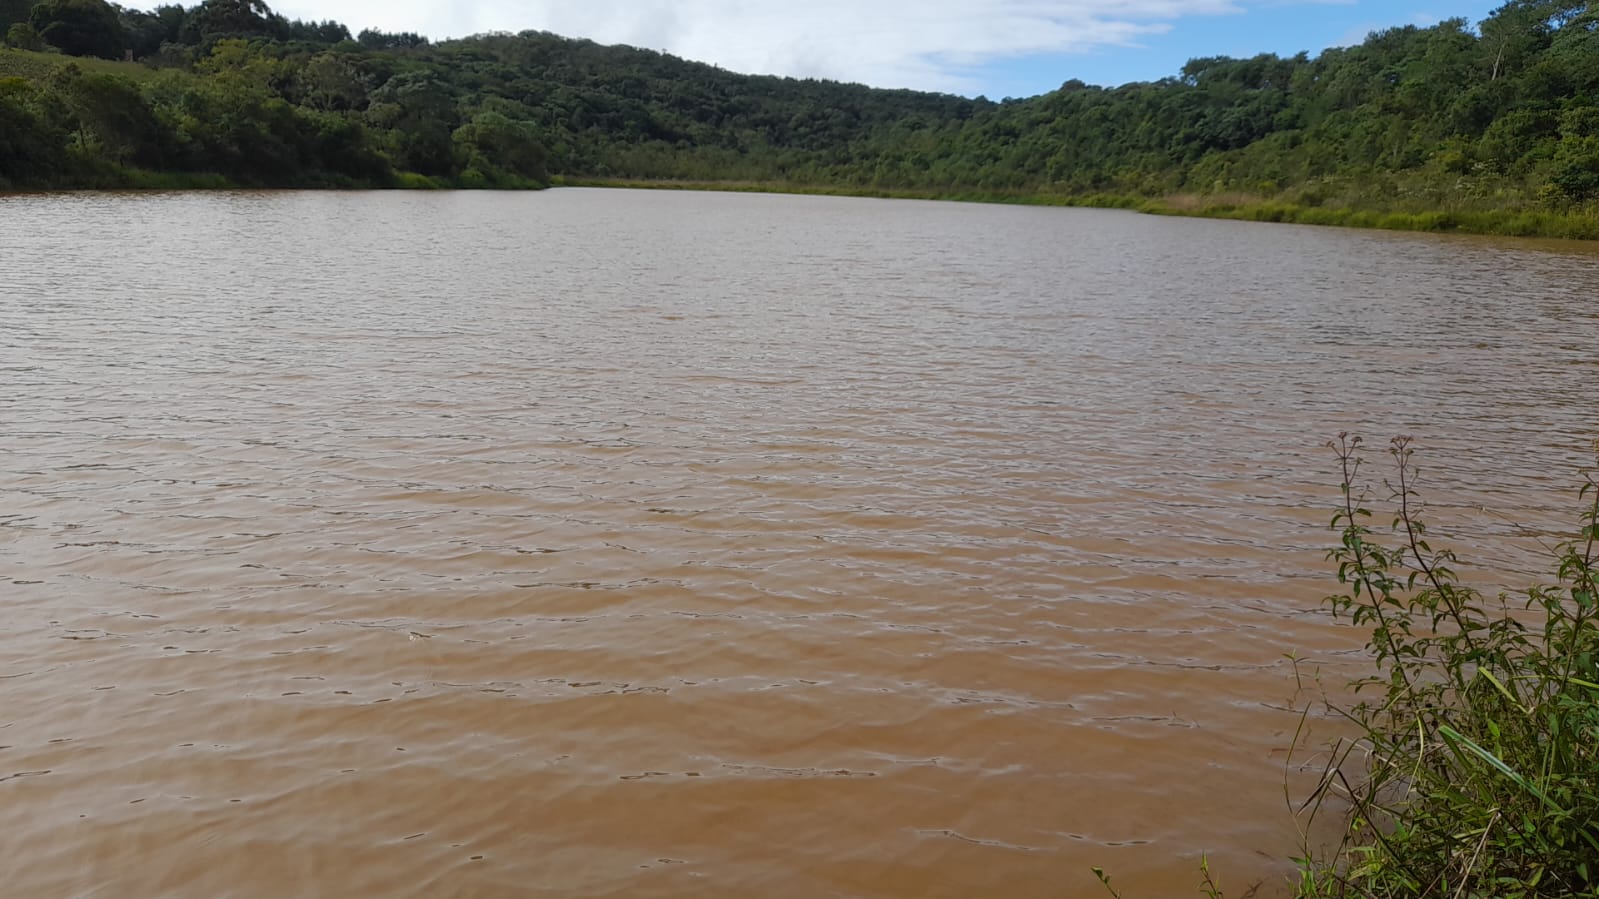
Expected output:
(925, 44)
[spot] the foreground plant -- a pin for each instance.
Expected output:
(1476, 768)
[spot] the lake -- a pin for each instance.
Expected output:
(631, 543)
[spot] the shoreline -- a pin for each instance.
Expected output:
(1546, 224)
(1490, 223)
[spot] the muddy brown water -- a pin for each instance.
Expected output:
(609, 543)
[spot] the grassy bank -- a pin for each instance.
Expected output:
(1573, 225)
(825, 190)
(129, 178)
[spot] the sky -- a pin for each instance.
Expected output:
(993, 48)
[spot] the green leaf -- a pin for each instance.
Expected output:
(1457, 740)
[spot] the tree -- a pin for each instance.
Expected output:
(491, 142)
(1516, 32)
(113, 115)
(22, 36)
(328, 32)
(80, 27)
(13, 11)
(1575, 176)
(30, 148)
(383, 40)
(419, 112)
(329, 82)
(1575, 50)
(231, 18)
(342, 146)
(146, 32)
(172, 18)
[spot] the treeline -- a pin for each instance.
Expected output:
(1501, 115)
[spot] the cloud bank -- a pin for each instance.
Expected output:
(923, 44)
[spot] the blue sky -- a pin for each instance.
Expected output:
(996, 48)
(1284, 28)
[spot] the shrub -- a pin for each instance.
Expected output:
(22, 36)
(1476, 767)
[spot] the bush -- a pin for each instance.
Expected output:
(1476, 768)
(22, 36)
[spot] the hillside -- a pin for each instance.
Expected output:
(1453, 120)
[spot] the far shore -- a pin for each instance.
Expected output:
(1575, 225)
(1240, 207)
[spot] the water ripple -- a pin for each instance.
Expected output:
(614, 543)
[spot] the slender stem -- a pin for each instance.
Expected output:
(1445, 592)
(1350, 465)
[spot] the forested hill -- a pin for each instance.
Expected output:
(1502, 114)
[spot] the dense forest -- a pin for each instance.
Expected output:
(1500, 115)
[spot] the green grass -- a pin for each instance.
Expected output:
(760, 187)
(142, 179)
(37, 66)
(107, 176)
(954, 195)
(1573, 225)
(413, 181)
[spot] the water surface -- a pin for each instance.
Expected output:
(657, 544)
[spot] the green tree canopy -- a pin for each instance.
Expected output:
(384, 40)
(110, 113)
(22, 36)
(80, 27)
(490, 142)
(230, 18)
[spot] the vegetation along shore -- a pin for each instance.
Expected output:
(1487, 127)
